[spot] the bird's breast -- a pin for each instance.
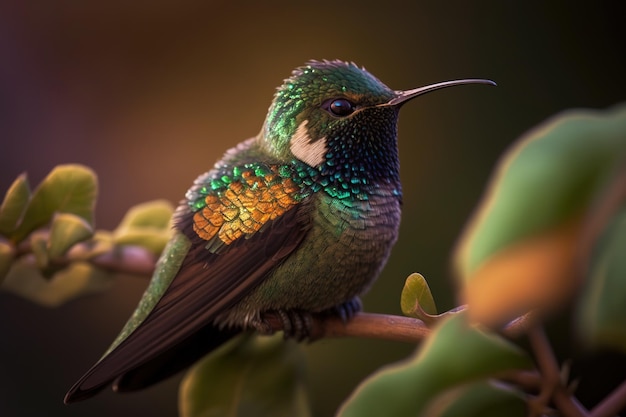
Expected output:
(346, 246)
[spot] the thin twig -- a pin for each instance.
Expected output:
(133, 260)
(612, 404)
(552, 385)
(365, 325)
(520, 325)
(378, 326)
(529, 381)
(128, 259)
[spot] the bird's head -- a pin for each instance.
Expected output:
(334, 115)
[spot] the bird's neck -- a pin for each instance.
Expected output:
(355, 181)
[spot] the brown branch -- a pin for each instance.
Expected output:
(133, 260)
(529, 381)
(378, 326)
(612, 404)
(520, 325)
(365, 325)
(137, 260)
(127, 259)
(552, 386)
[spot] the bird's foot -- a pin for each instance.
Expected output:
(346, 310)
(295, 324)
(298, 324)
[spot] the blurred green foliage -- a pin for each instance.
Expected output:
(408, 388)
(258, 376)
(49, 247)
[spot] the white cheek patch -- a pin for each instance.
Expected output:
(308, 151)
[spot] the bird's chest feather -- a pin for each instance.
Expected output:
(344, 251)
(348, 227)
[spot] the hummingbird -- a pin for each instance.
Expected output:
(298, 220)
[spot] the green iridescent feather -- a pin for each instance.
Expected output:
(306, 88)
(166, 269)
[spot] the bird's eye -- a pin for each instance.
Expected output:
(340, 107)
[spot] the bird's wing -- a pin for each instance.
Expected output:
(222, 265)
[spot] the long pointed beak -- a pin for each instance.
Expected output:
(404, 96)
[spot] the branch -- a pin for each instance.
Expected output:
(134, 260)
(552, 385)
(377, 326)
(137, 260)
(127, 259)
(612, 404)
(365, 325)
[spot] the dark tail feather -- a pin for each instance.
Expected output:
(175, 360)
(161, 367)
(76, 394)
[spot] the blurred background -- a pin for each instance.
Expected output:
(150, 95)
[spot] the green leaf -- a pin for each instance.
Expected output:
(78, 279)
(14, 204)
(7, 254)
(416, 296)
(68, 189)
(152, 214)
(602, 311)
(152, 240)
(479, 399)
(66, 230)
(256, 376)
(519, 250)
(39, 247)
(146, 225)
(455, 354)
(549, 175)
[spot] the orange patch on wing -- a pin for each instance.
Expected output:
(244, 207)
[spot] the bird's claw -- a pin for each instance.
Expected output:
(346, 310)
(295, 324)
(298, 324)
